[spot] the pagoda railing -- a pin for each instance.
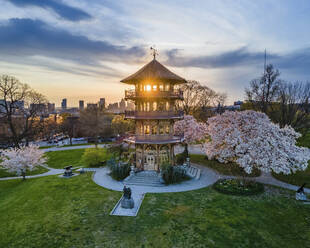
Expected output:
(155, 138)
(153, 114)
(129, 94)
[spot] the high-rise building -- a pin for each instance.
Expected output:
(81, 104)
(64, 103)
(122, 105)
(51, 107)
(102, 103)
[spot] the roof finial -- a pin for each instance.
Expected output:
(154, 51)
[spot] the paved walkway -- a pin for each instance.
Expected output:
(64, 148)
(208, 176)
(51, 172)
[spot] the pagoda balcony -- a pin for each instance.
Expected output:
(154, 114)
(154, 139)
(133, 94)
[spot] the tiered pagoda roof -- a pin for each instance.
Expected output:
(154, 71)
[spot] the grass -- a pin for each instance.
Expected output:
(297, 178)
(60, 159)
(85, 144)
(56, 212)
(36, 171)
(225, 169)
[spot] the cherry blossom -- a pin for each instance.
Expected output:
(251, 140)
(192, 130)
(22, 159)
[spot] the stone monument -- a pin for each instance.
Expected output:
(300, 194)
(68, 171)
(127, 201)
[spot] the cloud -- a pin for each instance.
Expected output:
(66, 12)
(295, 61)
(236, 57)
(26, 37)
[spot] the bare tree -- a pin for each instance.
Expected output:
(294, 104)
(15, 108)
(199, 99)
(264, 90)
(69, 126)
(92, 121)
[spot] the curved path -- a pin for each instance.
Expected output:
(207, 178)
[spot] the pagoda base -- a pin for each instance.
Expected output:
(152, 156)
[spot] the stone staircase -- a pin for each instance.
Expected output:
(144, 178)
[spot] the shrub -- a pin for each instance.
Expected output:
(119, 171)
(95, 157)
(238, 187)
(173, 174)
(181, 158)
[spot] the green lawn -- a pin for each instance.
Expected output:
(56, 212)
(297, 178)
(225, 169)
(60, 159)
(36, 171)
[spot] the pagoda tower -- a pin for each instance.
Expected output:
(155, 94)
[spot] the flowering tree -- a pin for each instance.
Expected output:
(251, 140)
(22, 159)
(192, 130)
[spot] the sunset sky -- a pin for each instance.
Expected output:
(81, 49)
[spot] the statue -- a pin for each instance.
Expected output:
(127, 201)
(300, 194)
(68, 171)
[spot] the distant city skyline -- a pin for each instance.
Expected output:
(82, 49)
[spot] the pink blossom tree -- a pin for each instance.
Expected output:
(22, 159)
(192, 130)
(251, 140)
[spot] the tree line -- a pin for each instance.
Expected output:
(22, 122)
(286, 103)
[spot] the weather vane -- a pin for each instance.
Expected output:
(154, 51)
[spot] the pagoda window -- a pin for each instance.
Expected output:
(161, 129)
(148, 106)
(167, 129)
(161, 106)
(147, 129)
(154, 129)
(167, 87)
(154, 87)
(167, 106)
(154, 106)
(161, 87)
(141, 87)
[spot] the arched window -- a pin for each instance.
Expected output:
(154, 129)
(147, 129)
(148, 106)
(167, 129)
(167, 106)
(154, 106)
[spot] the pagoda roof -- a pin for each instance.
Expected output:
(154, 71)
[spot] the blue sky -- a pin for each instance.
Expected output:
(81, 49)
